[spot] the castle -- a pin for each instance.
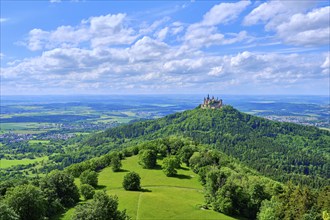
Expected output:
(211, 103)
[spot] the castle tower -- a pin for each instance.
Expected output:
(212, 103)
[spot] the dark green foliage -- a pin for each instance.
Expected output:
(272, 148)
(6, 212)
(231, 199)
(115, 163)
(27, 201)
(132, 181)
(148, 158)
(89, 177)
(87, 191)
(185, 153)
(102, 207)
(92, 164)
(169, 165)
(257, 195)
(59, 188)
(214, 180)
(202, 159)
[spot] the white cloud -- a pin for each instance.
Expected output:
(206, 33)
(312, 28)
(161, 35)
(216, 71)
(2, 20)
(293, 23)
(107, 54)
(224, 13)
(98, 31)
(326, 65)
(274, 12)
(55, 1)
(150, 65)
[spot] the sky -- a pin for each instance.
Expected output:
(165, 47)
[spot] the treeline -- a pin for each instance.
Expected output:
(229, 186)
(282, 151)
(40, 198)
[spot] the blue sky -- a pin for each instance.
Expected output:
(164, 47)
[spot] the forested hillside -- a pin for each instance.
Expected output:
(220, 146)
(282, 151)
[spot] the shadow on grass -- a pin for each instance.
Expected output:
(157, 167)
(184, 168)
(145, 190)
(100, 187)
(182, 176)
(122, 171)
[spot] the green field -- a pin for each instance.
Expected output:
(4, 163)
(164, 197)
(18, 126)
(39, 141)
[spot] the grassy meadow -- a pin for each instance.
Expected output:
(4, 163)
(162, 197)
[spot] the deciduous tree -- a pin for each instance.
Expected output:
(27, 201)
(132, 181)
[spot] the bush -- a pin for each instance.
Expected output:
(87, 191)
(89, 177)
(132, 181)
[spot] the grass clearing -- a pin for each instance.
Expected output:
(39, 141)
(4, 163)
(18, 126)
(163, 197)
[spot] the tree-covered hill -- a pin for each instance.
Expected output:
(283, 151)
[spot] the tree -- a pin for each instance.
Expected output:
(87, 191)
(116, 163)
(132, 181)
(169, 165)
(27, 201)
(59, 185)
(102, 207)
(7, 213)
(185, 153)
(214, 180)
(148, 158)
(269, 210)
(231, 199)
(257, 195)
(89, 177)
